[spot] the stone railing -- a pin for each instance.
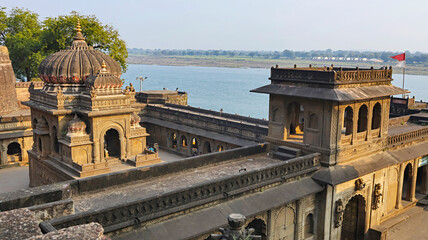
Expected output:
(407, 136)
(331, 74)
(232, 127)
(15, 125)
(356, 75)
(148, 208)
(229, 116)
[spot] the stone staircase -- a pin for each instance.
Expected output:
(285, 153)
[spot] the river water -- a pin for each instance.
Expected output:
(228, 88)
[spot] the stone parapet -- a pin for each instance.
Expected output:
(223, 125)
(336, 75)
(125, 214)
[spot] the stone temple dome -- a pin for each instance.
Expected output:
(76, 63)
(103, 79)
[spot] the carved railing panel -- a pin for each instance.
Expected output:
(331, 74)
(407, 136)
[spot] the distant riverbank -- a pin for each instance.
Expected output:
(247, 62)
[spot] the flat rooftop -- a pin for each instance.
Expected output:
(129, 192)
(406, 127)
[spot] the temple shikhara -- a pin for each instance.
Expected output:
(339, 157)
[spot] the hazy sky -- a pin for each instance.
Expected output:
(255, 25)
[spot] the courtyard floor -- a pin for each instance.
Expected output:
(14, 178)
(411, 224)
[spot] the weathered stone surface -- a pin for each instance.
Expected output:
(91, 231)
(8, 100)
(18, 224)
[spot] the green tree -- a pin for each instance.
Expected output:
(20, 32)
(58, 33)
(29, 41)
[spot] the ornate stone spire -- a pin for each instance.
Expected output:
(79, 35)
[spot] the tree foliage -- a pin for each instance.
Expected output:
(21, 34)
(58, 33)
(29, 40)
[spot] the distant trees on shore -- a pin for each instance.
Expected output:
(411, 58)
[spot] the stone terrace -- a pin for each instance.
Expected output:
(172, 182)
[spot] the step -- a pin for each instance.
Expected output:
(282, 156)
(289, 150)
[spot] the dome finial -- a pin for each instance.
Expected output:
(103, 67)
(79, 35)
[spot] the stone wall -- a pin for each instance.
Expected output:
(22, 92)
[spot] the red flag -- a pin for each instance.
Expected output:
(400, 57)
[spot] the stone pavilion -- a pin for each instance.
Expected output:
(83, 122)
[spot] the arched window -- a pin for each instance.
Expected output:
(309, 225)
(348, 122)
(14, 152)
(207, 147)
(377, 113)
(174, 140)
(220, 148)
(313, 121)
(195, 146)
(362, 119)
(112, 144)
(183, 142)
(259, 227)
(295, 118)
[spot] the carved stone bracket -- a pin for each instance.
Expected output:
(338, 214)
(359, 184)
(377, 196)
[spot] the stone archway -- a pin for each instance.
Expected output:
(220, 148)
(353, 225)
(407, 183)
(14, 152)
(112, 145)
(259, 228)
(173, 139)
(194, 145)
(206, 148)
(309, 225)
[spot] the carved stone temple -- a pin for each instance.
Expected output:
(83, 122)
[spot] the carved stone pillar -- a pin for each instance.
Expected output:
(96, 152)
(3, 154)
(400, 187)
(414, 175)
(299, 220)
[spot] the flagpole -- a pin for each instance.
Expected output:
(404, 73)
